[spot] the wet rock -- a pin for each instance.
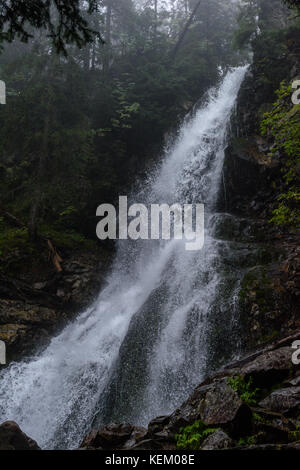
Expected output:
(115, 436)
(12, 438)
(25, 327)
(272, 431)
(154, 444)
(10, 333)
(245, 163)
(294, 382)
(157, 424)
(270, 367)
(269, 296)
(216, 404)
(275, 419)
(40, 285)
(81, 278)
(223, 406)
(217, 441)
(24, 313)
(38, 301)
(282, 400)
(61, 293)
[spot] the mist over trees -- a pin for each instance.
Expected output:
(82, 124)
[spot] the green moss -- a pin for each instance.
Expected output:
(191, 437)
(247, 441)
(68, 239)
(14, 238)
(282, 124)
(294, 435)
(256, 417)
(244, 389)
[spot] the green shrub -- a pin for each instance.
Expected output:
(282, 125)
(244, 389)
(191, 437)
(247, 441)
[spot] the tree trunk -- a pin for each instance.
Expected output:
(86, 58)
(155, 20)
(43, 157)
(38, 194)
(107, 55)
(186, 7)
(185, 29)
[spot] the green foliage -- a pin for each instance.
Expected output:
(63, 21)
(257, 18)
(247, 24)
(247, 441)
(295, 435)
(244, 389)
(191, 437)
(293, 3)
(68, 239)
(13, 239)
(282, 125)
(77, 129)
(125, 110)
(257, 417)
(17, 241)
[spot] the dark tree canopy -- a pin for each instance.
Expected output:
(62, 19)
(293, 3)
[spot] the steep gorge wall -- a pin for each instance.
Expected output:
(252, 180)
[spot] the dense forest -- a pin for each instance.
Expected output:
(89, 120)
(97, 92)
(84, 121)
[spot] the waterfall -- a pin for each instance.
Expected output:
(153, 332)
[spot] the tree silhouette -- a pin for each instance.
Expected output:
(62, 19)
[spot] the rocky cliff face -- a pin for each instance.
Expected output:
(270, 291)
(38, 300)
(251, 176)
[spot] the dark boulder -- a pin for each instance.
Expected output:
(217, 441)
(12, 438)
(270, 367)
(282, 400)
(216, 404)
(115, 436)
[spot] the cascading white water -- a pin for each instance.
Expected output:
(145, 343)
